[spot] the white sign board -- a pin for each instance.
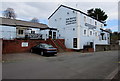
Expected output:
(119, 42)
(24, 44)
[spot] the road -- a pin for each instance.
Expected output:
(71, 65)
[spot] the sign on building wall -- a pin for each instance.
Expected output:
(90, 26)
(70, 21)
(24, 44)
(119, 42)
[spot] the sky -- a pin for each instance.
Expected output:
(26, 10)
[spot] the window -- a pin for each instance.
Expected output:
(20, 32)
(32, 32)
(67, 12)
(95, 33)
(59, 35)
(84, 19)
(91, 32)
(73, 11)
(85, 32)
(73, 29)
(95, 23)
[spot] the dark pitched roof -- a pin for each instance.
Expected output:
(71, 9)
(104, 30)
(14, 22)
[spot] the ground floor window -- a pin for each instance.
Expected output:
(20, 32)
(32, 32)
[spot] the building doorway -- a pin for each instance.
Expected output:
(74, 42)
(54, 35)
(50, 34)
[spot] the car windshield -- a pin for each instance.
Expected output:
(47, 46)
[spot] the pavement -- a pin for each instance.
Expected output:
(68, 65)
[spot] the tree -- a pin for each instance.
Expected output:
(9, 13)
(98, 14)
(109, 30)
(35, 20)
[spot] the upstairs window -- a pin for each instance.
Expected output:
(55, 19)
(95, 23)
(101, 25)
(73, 11)
(85, 32)
(84, 19)
(67, 12)
(91, 32)
(95, 33)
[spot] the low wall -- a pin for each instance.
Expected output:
(15, 46)
(107, 47)
(114, 47)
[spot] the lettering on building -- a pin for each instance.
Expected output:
(90, 26)
(70, 21)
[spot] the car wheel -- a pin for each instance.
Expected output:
(42, 53)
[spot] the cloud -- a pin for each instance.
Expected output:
(42, 10)
(114, 28)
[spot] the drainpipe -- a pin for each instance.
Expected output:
(94, 45)
(78, 29)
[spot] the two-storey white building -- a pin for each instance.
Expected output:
(78, 29)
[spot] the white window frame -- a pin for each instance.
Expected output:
(90, 32)
(85, 34)
(32, 32)
(96, 23)
(96, 33)
(20, 32)
(101, 25)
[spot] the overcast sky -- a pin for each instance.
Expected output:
(42, 10)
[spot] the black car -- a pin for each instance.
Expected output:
(44, 49)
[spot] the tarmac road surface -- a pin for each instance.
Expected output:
(69, 65)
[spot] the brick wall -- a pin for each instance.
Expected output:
(14, 46)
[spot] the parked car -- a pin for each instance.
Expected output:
(44, 49)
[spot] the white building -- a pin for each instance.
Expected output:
(77, 28)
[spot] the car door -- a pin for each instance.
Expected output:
(36, 48)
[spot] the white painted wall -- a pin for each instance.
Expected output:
(58, 20)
